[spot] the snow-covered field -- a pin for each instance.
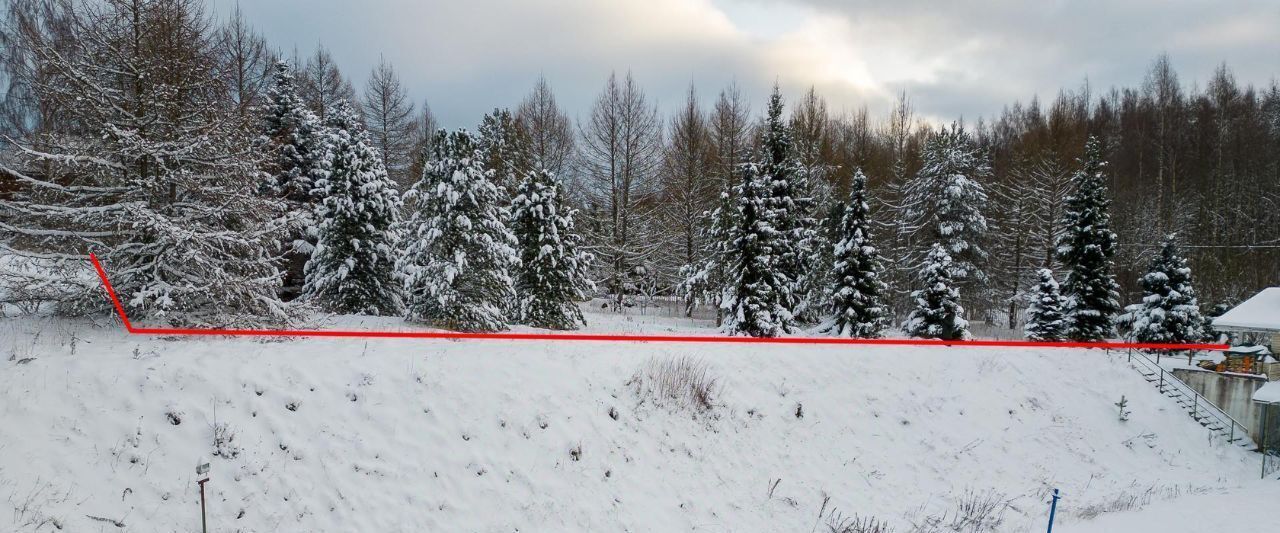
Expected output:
(100, 431)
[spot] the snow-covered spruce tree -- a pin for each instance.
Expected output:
(1168, 311)
(859, 290)
(729, 134)
(944, 204)
(710, 281)
(553, 268)
(352, 269)
(294, 140)
(790, 207)
(755, 294)
(1085, 251)
(1211, 334)
(937, 313)
(149, 167)
(1045, 321)
(458, 263)
(293, 136)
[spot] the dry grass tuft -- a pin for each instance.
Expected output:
(679, 382)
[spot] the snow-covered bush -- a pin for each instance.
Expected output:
(224, 441)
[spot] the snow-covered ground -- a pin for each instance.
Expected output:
(99, 428)
(1243, 509)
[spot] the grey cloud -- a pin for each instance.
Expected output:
(959, 58)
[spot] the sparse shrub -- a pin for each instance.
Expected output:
(974, 512)
(679, 382)
(1133, 500)
(31, 508)
(980, 511)
(224, 442)
(837, 523)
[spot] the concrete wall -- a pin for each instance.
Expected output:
(1233, 393)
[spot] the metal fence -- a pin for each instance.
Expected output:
(1200, 408)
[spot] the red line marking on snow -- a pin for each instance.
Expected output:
(115, 300)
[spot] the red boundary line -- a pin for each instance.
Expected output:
(128, 326)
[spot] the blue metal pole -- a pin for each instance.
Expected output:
(1053, 508)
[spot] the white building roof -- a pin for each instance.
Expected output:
(1260, 313)
(1269, 393)
(1248, 350)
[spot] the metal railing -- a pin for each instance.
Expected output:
(1201, 408)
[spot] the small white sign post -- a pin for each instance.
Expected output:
(202, 469)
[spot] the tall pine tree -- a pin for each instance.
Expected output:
(944, 204)
(937, 313)
(458, 264)
(789, 206)
(1086, 250)
(293, 136)
(1168, 312)
(295, 143)
(1045, 321)
(553, 268)
(352, 269)
(755, 301)
(859, 291)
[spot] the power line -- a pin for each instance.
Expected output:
(1217, 246)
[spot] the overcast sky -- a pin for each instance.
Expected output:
(953, 58)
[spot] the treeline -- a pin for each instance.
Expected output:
(219, 177)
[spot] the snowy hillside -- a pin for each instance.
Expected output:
(97, 427)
